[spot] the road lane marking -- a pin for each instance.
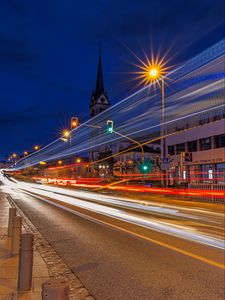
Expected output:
(184, 252)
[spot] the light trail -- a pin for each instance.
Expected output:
(196, 90)
(142, 189)
(129, 211)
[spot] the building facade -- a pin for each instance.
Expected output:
(197, 152)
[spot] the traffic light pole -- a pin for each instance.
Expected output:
(134, 141)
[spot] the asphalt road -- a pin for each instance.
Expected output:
(124, 260)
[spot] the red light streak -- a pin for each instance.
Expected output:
(96, 183)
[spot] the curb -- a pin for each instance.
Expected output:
(56, 266)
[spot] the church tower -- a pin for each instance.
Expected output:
(99, 99)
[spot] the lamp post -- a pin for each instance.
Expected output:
(163, 132)
(66, 137)
(155, 74)
(153, 71)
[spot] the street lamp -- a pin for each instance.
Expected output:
(36, 147)
(66, 133)
(153, 71)
(156, 74)
(42, 164)
(66, 136)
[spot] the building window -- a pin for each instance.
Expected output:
(210, 172)
(171, 150)
(180, 148)
(192, 146)
(220, 173)
(207, 173)
(219, 141)
(205, 144)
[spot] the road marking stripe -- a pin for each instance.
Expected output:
(184, 252)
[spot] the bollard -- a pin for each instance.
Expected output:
(55, 289)
(17, 228)
(12, 214)
(25, 262)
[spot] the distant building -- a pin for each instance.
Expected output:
(197, 152)
(4, 164)
(128, 162)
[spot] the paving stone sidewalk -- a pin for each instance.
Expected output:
(47, 263)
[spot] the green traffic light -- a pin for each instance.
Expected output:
(110, 126)
(145, 167)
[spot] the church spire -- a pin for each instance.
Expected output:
(99, 82)
(99, 99)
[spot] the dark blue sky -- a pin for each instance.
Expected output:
(49, 55)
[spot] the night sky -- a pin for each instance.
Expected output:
(49, 55)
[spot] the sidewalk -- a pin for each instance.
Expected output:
(44, 266)
(9, 264)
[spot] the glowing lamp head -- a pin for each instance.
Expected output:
(66, 133)
(153, 73)
(36, 147)
(78, 160)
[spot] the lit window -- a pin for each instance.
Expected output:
(210, 172)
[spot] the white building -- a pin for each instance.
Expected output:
(203, 141)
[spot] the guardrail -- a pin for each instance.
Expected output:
(203, 186)
(212, 187)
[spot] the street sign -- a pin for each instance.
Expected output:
(165, 163)
(165, 160)
(187, 157)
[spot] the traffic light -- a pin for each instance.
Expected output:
(109, 126)
(145, 167)
(74, 122)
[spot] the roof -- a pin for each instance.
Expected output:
(146, 149)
